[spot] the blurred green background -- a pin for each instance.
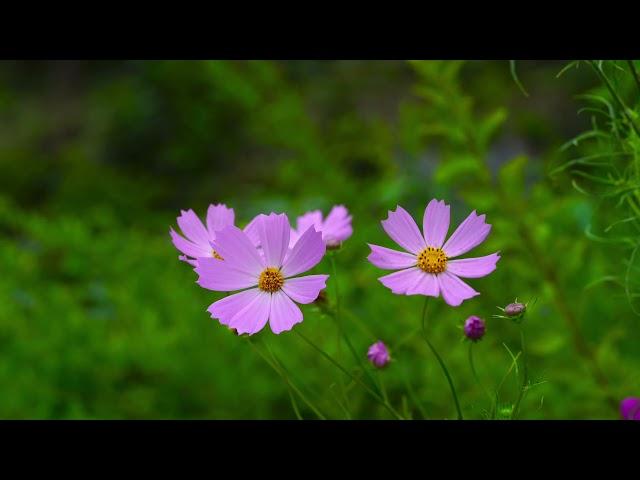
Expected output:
(99, 319)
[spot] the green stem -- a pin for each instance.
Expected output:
(294, 404)
(525, 374)
(634, 72)
(440, 361)
(514, 364)
(336, 317)
(340, 329)
(475, 374)
(372, 392)
(290, 385)
(615, 96)
(414, 397)
(335, 284)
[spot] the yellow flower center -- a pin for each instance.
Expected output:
(432, 260)
(271, 280)
(216, 255)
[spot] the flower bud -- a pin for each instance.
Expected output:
(630, 408)
(378, 355)
(474, 328)
(515, 309)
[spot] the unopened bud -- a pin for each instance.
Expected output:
(515, 309)
(474, 328)
(378, 355)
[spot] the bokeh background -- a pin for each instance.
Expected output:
(99, 319)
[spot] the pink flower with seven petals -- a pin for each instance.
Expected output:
(428, 268)
(335, 229)
(268, 283)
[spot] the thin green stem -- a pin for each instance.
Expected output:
(634, 72)
(335, 314)
(414, 397)
(290, 385)
(336, 289)
(340, 329)
(440, 361)
(615, 96)
(514, 364)
(382, 389)
(372, 392)
(525, 374)
(475, 374)
(294, 404)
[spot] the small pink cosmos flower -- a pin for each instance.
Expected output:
(428, 268)
(199, 238)
(335, 229)
(268, 283)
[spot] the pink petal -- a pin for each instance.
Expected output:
(337, 226)
(235, 247)
(305, 289)
(221, 276)
(402, 281)
(468, 235)
(305, 254)
(313, 218)
(273, 231)
(218, 217)
(473, 267)
(192, 262)
(435, 223)
(252, 229)
(389, 259)
(193, 228)
(225, 309)
(427, 285)
(189, 248)
(453, 290)
(253, 317)
(284, 313)
(309, 219)
(403, 230)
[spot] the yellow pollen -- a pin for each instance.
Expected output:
(271, 280)
(216, 255)
(432, 260)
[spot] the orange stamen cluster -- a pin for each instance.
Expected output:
(432, 260)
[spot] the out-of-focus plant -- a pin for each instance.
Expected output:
(606, 166)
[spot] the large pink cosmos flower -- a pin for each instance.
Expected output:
(428, 268)
(269, 289)
(199, 238)
(335, 229)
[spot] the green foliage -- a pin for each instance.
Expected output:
(99, 319)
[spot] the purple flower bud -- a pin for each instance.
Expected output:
(474, 328)
(630, 408)
(378, 355)
(515, 309)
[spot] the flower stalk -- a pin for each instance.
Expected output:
(439, 358)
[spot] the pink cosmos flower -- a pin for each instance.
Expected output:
(199, 238)
(428, 268)
(268, 283)
(335, 229)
